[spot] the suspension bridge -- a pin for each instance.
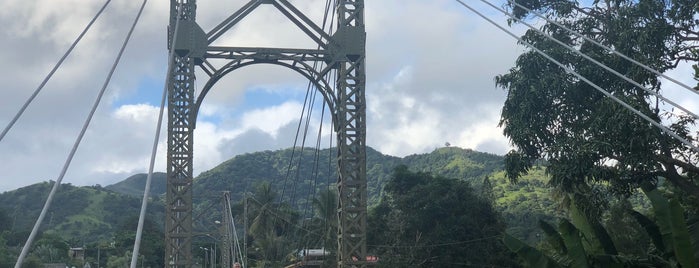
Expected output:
(335, 67)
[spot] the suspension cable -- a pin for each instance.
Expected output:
(600, 89)
(310, 86)
(34, 231)
(311, 93)
(627, 79)
(293, 148)
(297, 177)
(55, 68)
(146, 191)
(685, 86)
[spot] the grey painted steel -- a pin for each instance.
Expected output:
(178, 222)
(351, 134)
(343, 52)
(225, 230)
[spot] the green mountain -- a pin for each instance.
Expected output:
(80, 214)
(92, 214)
(293, 180)
(135, 184)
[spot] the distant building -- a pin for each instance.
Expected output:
(310, 258)
(55, 265)
(77, 253)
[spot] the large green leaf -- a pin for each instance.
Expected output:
(680, 236)
(624, 261)
(532, 256)
(693, 226)
(553, 237)
(673, 227)
(651, 228)
(661, 208)
(595, 234)
(571, 237)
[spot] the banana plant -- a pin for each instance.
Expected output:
(585, 243)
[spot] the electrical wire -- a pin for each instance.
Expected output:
(440, 244)
(146, 191)
(56, 185)
(573, 72)
(55, 68)
(685, 86)
(656, 94)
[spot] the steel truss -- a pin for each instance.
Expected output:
(342, 51)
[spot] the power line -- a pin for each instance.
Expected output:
(55, 68)
(34, 231)
(594, 61)
(439, 244)
(685, 86)
(600, 89)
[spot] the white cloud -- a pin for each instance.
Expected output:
(430, 69)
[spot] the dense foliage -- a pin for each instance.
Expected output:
(428, 221)
(300, 175)
(597, 152)
(586, 137)
(87, 217)
(135, 184)
(279, 221)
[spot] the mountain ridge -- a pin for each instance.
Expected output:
(84, 211)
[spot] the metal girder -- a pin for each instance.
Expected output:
(178, 212)
(257, 53)
(351, 134)
(344, 52)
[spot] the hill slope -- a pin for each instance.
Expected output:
(92, 213)
(243, 172)
(135, 184)
(85, 214)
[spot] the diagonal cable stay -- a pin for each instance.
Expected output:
(35, 229)
(55, 68)
(149, 178)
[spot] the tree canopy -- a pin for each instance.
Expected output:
(584, 136)
(427, 221)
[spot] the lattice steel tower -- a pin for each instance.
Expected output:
(342, 51)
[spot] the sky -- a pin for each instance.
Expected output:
(430, 80)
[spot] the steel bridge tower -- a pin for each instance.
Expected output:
(342, 51)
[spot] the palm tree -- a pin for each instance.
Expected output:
(270, 225)
(326, 217)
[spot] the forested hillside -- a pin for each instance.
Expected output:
(240, 173)
(84, 214)
(135, 184)
(97, 216)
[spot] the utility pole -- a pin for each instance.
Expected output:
(225, 231)
(245, 230)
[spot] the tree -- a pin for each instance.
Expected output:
(152, 243)
(584, 136)
(427, 221)
(573, 246)
(7, 259)
(321, 229)
(270, 228)
(124, 260)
